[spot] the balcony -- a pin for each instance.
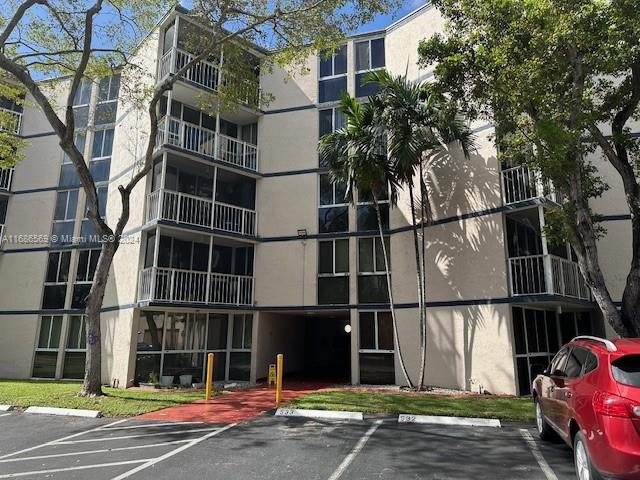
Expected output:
(546, 274)
(188, 209)
(520, 184)
(208, 143)
(188, 286)
(10, 121)
(207, 75)
(6, 174)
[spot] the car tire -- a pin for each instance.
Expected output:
(582, 460)
(545, 432)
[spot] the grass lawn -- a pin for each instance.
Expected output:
(503, 408)
(116, 402)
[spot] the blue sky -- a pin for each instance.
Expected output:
(383, 21)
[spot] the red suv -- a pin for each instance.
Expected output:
(590, 397)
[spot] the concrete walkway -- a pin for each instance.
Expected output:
(234, 406)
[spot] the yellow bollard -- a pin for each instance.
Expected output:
(280, 362)
(209, 387)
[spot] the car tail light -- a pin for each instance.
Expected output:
(614, 406)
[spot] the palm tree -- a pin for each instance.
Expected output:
(419, 122)
(356, 155)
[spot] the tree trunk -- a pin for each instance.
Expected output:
(421, 299)
(387, 272)
(93, 375)
(423, 250)
(586, 248)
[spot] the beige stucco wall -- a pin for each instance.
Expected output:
(16, 345)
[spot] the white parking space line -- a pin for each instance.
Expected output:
(140, 435)
(537, 454)
(4, 414)
(89, 452)
(172, 453)
(52, 442)
(149, 425)
(355, 451)
(68, 469)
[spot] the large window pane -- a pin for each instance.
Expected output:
(44, 364)
(518, 331)
(74, 364)
(367, 331)
(372, 289)
(147, 368)
(185, 365)
(53, 298)
(385, 331)
(240, 366)
(332, 90)
(334, 219)
(333, 290)
(362, 56)
(325, 257)
(368, 219)
(365, 255)
(377, 369)
(342, 256)
(150, 331)
(217, 334)
(176, 331)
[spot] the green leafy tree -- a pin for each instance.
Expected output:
(561, 80)
(356, 156)
(67, 41)
(419, 123)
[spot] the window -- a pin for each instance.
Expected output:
(68, 174)
(240, 355)
(76, 347)
(83, 93)
(107, 100)
(333, 76)
(64, 217)
(369, 56)
(333, 272)
(333, 212)
(87, 262)
(573, 324)
(575, 362)
(372, 279)
(536, 341)
(367, 217)
(100, 163)
(626, 370)
(55, 283)
(46, 353)
(331, 119)
(87, 231)
(376, 348)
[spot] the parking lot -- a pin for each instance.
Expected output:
(40, 446)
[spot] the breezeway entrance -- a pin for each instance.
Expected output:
(316, 345)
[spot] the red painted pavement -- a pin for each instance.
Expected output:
(233, 406)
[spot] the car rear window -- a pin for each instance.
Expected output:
(626, 370)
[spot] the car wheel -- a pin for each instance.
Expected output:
(582, 460)
(544, 429)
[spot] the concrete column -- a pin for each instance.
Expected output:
(355, 345)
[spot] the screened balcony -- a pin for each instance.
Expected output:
(539, 268)
(187, 270)
(203, 141)
(6, 175)
(520, 184)
(191, 194)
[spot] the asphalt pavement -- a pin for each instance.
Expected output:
(268, 447)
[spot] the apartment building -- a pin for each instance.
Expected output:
(239, 244)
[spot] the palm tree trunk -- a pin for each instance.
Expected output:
(387, 272)
(423, 215)
(421, 299)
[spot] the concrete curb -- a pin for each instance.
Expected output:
(453, 421)
(322, 414)
(69, 412)
(6, 408)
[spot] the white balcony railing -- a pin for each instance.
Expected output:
(188, 286)
(546, 274)
(192, 210)
(6, 174)
(207, 142)
(208, 75)
(520, 184)
(10, 121)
